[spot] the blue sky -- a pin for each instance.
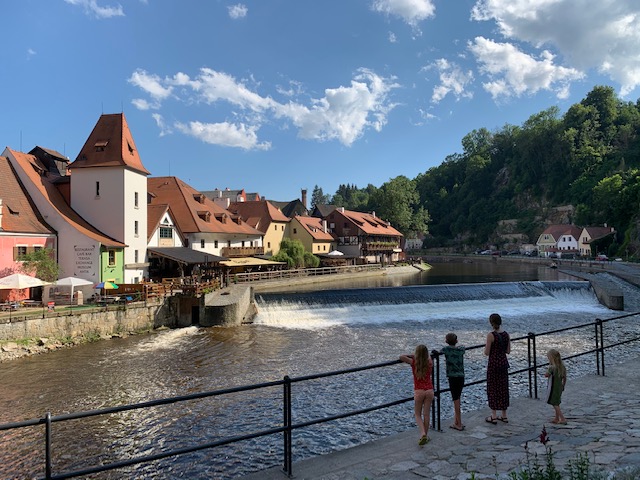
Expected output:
(278, 95)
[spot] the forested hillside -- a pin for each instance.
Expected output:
(588, 158)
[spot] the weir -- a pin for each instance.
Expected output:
(430, 293)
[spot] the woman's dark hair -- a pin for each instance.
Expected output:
(495, 320)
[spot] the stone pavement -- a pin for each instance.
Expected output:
(603, 414)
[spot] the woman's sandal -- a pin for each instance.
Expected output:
(455, 427)
(492, 420)
(503, 419)
(423, 440)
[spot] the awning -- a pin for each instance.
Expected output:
(185, 255)
(249, 262)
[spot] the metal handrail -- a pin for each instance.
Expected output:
(288, 424)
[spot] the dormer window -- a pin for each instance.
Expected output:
(130, 148)
(204, 215)
(101, 145)
(199, 197)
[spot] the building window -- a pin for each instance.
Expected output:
(37, 248)
(295, 231)
(215, 243)
(268, 244)
(97, 189)
(243, 243)
(283, 228)
(166, 232)
(135, 199)
(229, 243)
(135, 228)
(20, 252)
(112, 258)
(276, 227)
(135, 256)
(202, 243)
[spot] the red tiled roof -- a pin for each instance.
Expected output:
(369, 223)
(314, 226)
(46, 186)
(19, 214)
(189, 206)
(556, 231)
(110, 145)
(597, 233)
(262, 209)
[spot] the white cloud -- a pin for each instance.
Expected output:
(411, 12)
(604, 35)
(225, 134)
(164, 129)
(513, 73)
(452, 80)
(343, 114)
(142, 104)
(238, 11)
(31, 52)
(152, 84)
(92, 8)
(392, 37)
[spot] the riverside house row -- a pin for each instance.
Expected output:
(570, 240)
(107, 219)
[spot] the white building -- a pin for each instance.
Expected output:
(109, 189)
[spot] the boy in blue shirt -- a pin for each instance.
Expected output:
(454, 356)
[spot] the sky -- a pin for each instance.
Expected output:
(276, 96)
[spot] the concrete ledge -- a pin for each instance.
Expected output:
(230, 306)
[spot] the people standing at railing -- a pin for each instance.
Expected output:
(454, 359)
(556, 380)
(497, 348)
(422, 367)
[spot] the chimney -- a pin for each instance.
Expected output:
(324, 226)
(373, 214)
(304, 197)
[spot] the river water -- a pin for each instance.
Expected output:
(296, 333)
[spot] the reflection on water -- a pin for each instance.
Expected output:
(294, 335)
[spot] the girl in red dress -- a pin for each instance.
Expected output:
(421, 366)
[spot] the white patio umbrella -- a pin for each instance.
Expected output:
(335, 253)
(20, 281)
(72, 282)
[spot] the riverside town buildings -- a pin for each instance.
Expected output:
(107, 219)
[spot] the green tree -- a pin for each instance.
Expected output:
(397, 201)
(318, 197)
(293, 252)
(42, 264)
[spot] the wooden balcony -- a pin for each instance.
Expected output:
(380, 246)
(231, 252)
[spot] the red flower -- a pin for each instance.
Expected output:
(544, 438)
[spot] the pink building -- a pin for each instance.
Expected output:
(22, 228)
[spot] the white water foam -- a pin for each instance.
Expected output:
(308, 316)
(167, 339)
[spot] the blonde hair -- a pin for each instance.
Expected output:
(422, 361)
(555, 360)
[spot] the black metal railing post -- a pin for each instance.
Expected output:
(288, 460)
(47, 445)
(533, 365)
(597, 345)
(600, 328)
(435, 406)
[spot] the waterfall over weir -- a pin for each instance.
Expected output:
(423, 303)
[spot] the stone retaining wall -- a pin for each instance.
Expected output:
(97, 322)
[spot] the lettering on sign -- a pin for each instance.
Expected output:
(86, 258)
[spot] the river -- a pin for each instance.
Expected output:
(297, 332)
